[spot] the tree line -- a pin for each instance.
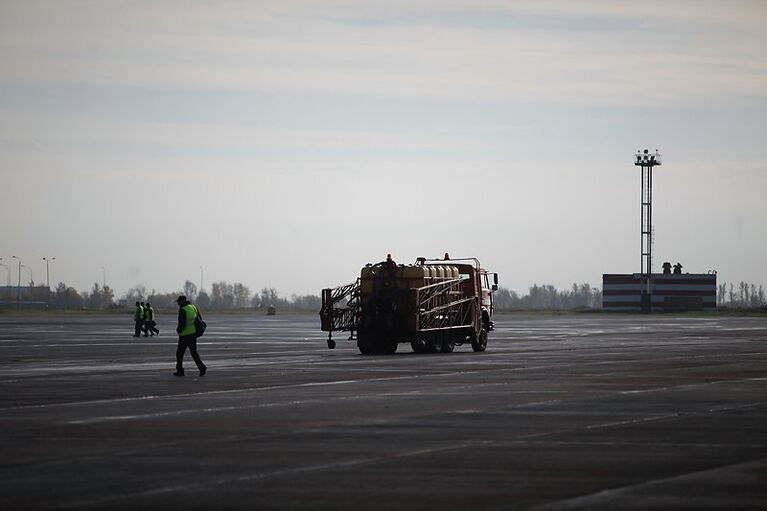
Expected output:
(546, 296)
(223, 295)
(740, 296)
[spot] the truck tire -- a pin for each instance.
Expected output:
(366, 347)
(480, 343)
(418, 346)
(388, 347)
(367, 342)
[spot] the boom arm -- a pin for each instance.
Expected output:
(344, 318)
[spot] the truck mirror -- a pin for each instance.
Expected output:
(495, 278)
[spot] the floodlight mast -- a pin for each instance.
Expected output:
(647, 161)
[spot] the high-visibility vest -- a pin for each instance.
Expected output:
(191, 313)
(149, 314)
(139, 313)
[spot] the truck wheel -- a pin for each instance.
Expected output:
(448, 346)
(388, 347)
(480, 344)
(366, 344)
(365, 348)
(418, 346)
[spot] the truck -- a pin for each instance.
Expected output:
(433, 304)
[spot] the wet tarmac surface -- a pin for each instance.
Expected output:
(562, 412)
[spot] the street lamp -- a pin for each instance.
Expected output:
(31, 279)
(8, 273)
(200, 279)
(18, 291)
(48, 276)
(647, 161)
(103, 277)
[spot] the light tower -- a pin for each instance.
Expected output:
(647, 161)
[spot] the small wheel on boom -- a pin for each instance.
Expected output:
(331, 344)
(448, 345)
(418, 346)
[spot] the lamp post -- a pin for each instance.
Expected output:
(103, 277)
(647, 161)
(48, 276)
(8, 273)
(31, 279)
(200, 279)
(8, 279)
(18, 289)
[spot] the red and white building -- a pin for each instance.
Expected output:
(670, 292)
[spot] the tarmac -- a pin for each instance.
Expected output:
(575, 411)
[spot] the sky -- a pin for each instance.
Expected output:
(286, 144)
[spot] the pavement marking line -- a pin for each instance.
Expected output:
(115, 418)
(266, 388)
(604, 496)
(355, 381)
(260, 476)
(550, 443)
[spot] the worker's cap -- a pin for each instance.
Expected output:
(148, 304)
(181, 299)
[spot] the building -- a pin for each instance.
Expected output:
(669, 292)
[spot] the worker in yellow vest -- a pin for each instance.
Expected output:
(150, 325)
(187, 336)
(138, 317)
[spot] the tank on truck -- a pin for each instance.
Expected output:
(434, 305)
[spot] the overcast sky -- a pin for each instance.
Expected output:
(288, 143)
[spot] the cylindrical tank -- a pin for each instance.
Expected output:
(367, 279)
(413, 276)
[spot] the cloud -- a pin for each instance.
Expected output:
(680, 53)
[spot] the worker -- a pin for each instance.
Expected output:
(667, 268)
(678, 268)
(138, 317)
(150, 325)
(187, 335)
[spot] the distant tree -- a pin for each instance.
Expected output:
(67, 297)
(107, 297)
(190, 290)
(721, 293)
(221, 295)
(95, 298)
(203, 299)
(241, 295)
(163, 300)
(306, 302)
(269, 297)
(136, 294)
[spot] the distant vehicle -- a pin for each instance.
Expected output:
(434, 304)
(271, 310)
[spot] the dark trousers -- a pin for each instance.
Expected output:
(184, 342)
(139, 327)
(150, 326)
